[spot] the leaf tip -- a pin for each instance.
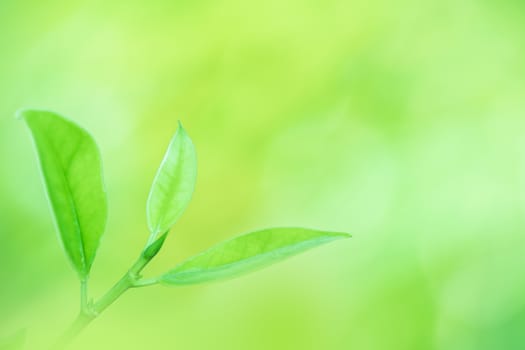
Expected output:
(22, 113)
(337, 234)
(25, 113)
(342, 235)
(180, 127)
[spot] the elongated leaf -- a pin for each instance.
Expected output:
(71, 166)
(173, 185)
(247, 253)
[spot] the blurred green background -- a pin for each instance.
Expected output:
(401, 122)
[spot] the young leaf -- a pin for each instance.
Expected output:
(247, 253)
(173, 185)
(71, 167)
(152, 250)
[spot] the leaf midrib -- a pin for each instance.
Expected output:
(296, 247)
(72, 203)
(179, 165)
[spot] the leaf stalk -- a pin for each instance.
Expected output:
(88, 312)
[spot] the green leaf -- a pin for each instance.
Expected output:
(71, 167)
(247, 253)
(173, 185)
(152, 250)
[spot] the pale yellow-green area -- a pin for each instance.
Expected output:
(400, 122)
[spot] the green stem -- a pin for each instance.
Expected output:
(131, 279)
(146, 282)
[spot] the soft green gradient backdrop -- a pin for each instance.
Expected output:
(402, 122)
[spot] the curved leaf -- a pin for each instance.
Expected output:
(173, 185)
(71, 167)
(247, 253)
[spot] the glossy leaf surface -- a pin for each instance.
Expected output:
(72, 171)
(173, 185)
(247, 253)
